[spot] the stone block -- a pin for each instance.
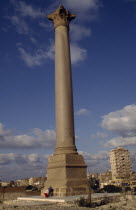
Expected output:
(66, 174)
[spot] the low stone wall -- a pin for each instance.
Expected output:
(12, 193)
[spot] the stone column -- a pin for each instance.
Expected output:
(65, 136)
(66, 171)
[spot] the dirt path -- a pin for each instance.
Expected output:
(23, 205)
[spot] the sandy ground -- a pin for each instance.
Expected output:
(36, 205)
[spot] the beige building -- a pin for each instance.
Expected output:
(37, 181)
(4, 184)
(133, 179)
(93, 175)
(24, 182)
(18, 183)
(120, 164)
(105, 179)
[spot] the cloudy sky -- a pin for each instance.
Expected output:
(103, 50)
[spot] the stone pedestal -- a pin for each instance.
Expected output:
(66, 172)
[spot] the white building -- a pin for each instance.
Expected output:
(120, 164)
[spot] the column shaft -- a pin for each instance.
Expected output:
(65, 135)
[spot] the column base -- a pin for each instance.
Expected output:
(66, 174)
(65, 150)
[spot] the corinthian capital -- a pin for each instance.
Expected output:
(61, 17)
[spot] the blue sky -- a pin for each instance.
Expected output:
(103, 51)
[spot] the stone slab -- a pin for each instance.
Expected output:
(39, 198)
(66, 174)
(67, 198)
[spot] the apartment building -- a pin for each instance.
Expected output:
(120, 164)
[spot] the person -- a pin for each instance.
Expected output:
(49, 192)
(50, 189)
(46, 193)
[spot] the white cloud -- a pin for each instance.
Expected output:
(98, 162)
(28, 165)
(6, 158)
(123, 123)
(3, 130)
(20, 24)
(83, 5)
(77, 53)
(38, 58)
(50, 51)
(26, 10)
(101, 155)
(82, 111)
(133, 160)
(79, 32)
(33, 40)
(20, 20)
(12, 158)
(45, 25)
(25, 165)
(121, 141)
(99, 135)
(86, 10)
(22, 11)
(32, 59)
(37, 138)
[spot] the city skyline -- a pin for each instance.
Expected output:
(103, 67)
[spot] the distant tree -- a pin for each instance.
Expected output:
(127, 189)
(112, 189)
(99, 190)
(29, 187)
(35, 188)
(93, 183)
(134, 190)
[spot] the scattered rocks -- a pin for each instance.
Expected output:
(37, 205)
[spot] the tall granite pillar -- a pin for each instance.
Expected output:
(65, 137)
(66, 171)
